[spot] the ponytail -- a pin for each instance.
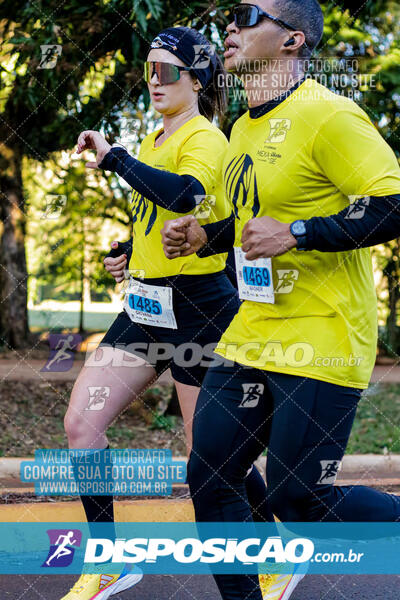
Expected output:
(213, 99)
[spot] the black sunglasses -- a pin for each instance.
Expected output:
(249, 15)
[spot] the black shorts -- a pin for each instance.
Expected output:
(204, 306)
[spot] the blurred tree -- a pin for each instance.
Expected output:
(67, 224)
(63, 70)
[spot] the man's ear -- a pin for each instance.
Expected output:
(295, 42)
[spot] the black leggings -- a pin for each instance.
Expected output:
(305, 424)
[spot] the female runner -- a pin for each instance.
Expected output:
(189, 301)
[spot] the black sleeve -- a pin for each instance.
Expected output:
(368, 222)
(174, 192)
(123, 248)
(220, 237)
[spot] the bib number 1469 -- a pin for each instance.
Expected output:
(257, 276)
(254, 278)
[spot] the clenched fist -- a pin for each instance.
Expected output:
(182, 237)
(116, 266)
(265, 237)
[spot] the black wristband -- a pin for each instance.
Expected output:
(110, 160)
(122, 248)
(220, 237)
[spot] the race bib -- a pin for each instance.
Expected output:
(150, 304)
(254, 278)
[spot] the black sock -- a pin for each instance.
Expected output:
(98, 509)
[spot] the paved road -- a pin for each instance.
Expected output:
(30, 370)
(386, 374)
(202, 587)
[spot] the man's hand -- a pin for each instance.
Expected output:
(116, 266)
(93, 140)
(264, 237)
(182, 237)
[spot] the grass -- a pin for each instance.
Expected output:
(43, 320)
(31, 416)
(377, 425)
(32, 413)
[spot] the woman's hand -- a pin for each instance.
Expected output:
(116, 266)
(182, 237)
(93, 140)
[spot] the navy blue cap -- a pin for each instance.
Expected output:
(192, 48)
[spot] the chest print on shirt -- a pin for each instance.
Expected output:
(140, 206)
(241, 184)
(279, 129)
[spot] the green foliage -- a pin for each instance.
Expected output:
(167, 422)
(47, 104)
(69, 246)
(376, 428)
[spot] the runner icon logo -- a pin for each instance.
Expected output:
(129, 276)
(329, 472)
(286, 280)
(60, 553)
(204, 204)
(203, 53)
(252, 393)
(50, 54)
(358, 207)
(55, 203)
(62, 351)
(278, 131)
(97, 397)
(135, 273)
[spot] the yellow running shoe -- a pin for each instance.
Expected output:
(280, 586)
(102, 586)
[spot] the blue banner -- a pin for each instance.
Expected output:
(187, 548)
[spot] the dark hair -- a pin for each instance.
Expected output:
(213, 98)
(306, 16)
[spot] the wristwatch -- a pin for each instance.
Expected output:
(298, 230)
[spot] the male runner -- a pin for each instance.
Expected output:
(294, 165)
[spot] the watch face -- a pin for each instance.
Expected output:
(298, 228)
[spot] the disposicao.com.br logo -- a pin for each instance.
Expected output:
(192, 550)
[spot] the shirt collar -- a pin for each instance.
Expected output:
(259, 111)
